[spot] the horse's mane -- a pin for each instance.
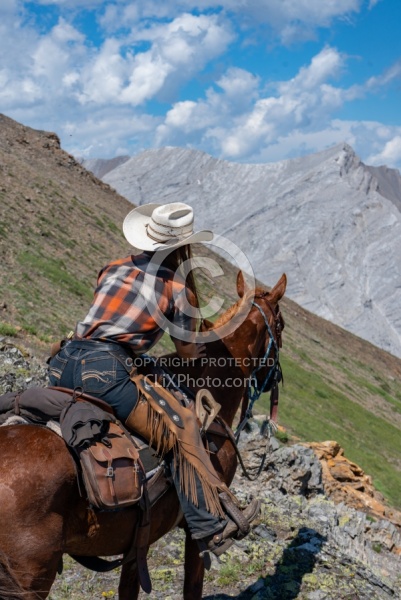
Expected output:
(227, 315)
(236, 307)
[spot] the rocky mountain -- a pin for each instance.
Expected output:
(100, 167)
(332, 223)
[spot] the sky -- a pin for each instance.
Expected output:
(249, 81)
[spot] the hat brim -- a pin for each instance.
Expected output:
(134, 229)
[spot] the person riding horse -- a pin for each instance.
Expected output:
(124, 321)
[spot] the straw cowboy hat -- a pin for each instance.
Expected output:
(162, 226)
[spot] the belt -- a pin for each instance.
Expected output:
(114, 348)
(96, 345)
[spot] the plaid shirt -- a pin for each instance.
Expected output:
(123, 308)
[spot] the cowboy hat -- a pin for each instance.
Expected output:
(162, 226)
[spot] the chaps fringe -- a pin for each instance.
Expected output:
(163, 439)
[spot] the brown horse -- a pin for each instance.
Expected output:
(43, 516)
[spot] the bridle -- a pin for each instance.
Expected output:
(274, 374)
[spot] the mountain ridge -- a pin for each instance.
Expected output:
(328, 219)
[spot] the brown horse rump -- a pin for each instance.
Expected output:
(110, 458)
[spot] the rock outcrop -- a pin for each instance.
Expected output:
(346, 482)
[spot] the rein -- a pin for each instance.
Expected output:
(230, 435)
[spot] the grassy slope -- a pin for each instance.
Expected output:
(339, 387)
(59, 225)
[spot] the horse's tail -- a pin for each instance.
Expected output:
(10, 589)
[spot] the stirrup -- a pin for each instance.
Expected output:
(220, 542)
(242, 519)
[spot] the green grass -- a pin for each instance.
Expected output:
(6, 329)
(112, 226)
(315, 411)
(384, 390)
(229, 573)
(56, 272)
(29, 328)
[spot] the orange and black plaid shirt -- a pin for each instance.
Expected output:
(125, 304)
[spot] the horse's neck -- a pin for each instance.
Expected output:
(238, 350)
(220, 372)
(225, 379)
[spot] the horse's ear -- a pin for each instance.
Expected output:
(241, 285)
(279, 289)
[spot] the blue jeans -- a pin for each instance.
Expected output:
(96, 372)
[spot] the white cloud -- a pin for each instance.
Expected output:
(391, 74)
(327, 64)
(8, 7)
(188, 38)
(109, 132)
(24, 91)
(102, 77)
(179, 49)
(182, 115)
(390, 154)
(295, 121)
(39, 68)
(291, 20)
(98, 96)
(54, 52)
(239, 85)
(239, 90)
(303, 102)
(82, 4)
(147, 78)
(294, 20)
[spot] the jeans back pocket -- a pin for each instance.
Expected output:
(98, 372)
(56, 368)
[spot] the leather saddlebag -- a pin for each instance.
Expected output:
(112, 471)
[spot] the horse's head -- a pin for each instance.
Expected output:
(256, 325)
(267, 323)
(257, 339)
(267, 303)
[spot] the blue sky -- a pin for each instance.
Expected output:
(244, 80)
